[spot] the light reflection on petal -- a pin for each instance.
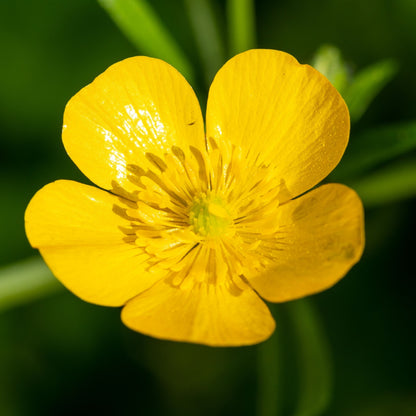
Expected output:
(137, 106)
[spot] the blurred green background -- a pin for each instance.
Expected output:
(62, 356)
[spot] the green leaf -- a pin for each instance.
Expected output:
(328, 61)
(25, 281)
(146, 31)
(207, 36)
(241, 24)
(390, 184)
(315, 376)
(366, 85)
(373, 147)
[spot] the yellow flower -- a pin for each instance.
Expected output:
(192, 227)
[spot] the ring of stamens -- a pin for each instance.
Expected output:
(205, 215)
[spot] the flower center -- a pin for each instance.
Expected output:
(209, 216)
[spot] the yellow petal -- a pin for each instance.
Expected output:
(279, 112)
(84, 239)
(202, 313)
(320, 237)
(137, 109)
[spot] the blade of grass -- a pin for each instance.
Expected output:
(315, 383)
(141, 25)
(241, 23)
(366, 85)
(390, 184)
(25, 281)
(373, 147)
(207, 36)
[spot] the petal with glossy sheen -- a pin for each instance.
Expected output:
(137, 106)
(279, 112)
(84, 240)
(321, 236)
(202, 313)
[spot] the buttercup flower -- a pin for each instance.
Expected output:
(190, 229)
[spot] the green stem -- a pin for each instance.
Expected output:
(268, 377)
(315, 381)
(25, 281)
(242, 27)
